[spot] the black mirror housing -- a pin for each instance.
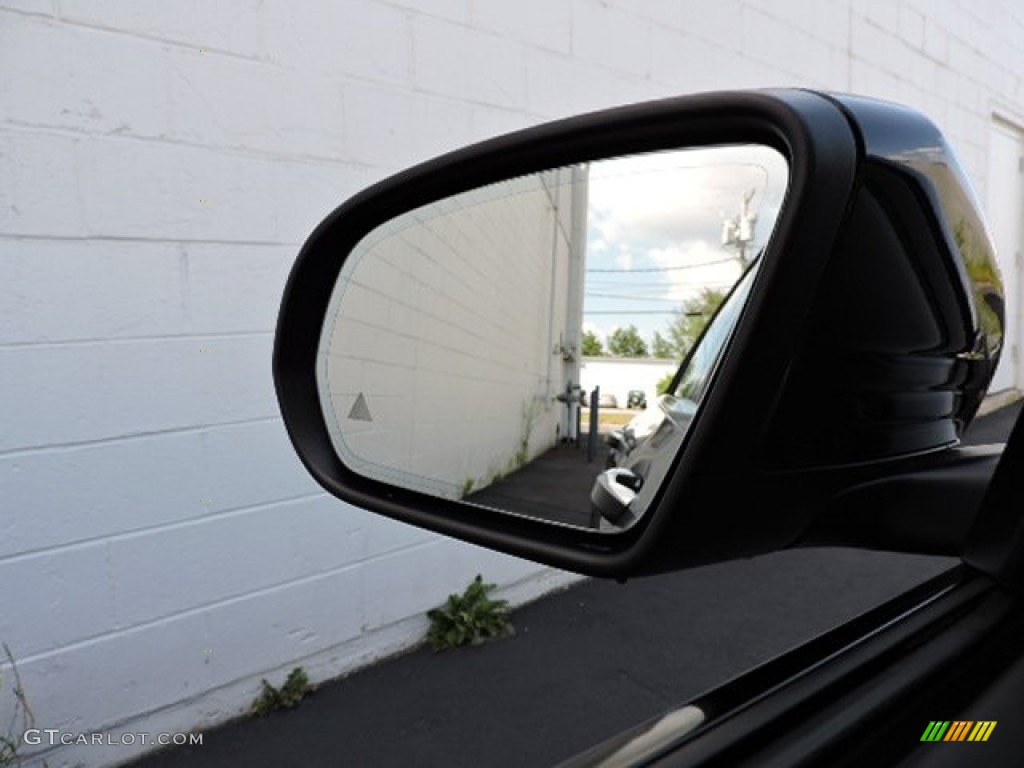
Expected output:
(869, 337)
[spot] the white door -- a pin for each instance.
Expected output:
(1005, 213)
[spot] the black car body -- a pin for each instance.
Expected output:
(830, 414)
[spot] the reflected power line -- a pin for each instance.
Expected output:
(725, 260)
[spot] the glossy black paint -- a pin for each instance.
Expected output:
(995, 543)
(912, 146)
(862, 694)
(859, 695)
(907, 326)
(816, 394)
(767, 711)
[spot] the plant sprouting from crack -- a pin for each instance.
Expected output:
(471, 618)
(529, 411)
(528, 419)
(22, 718)
(294, 690)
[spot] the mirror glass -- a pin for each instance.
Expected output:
(541, 345)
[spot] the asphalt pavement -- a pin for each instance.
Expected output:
(584, 664)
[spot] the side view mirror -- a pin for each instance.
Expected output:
(432, 338)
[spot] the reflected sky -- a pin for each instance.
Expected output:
(655, 227)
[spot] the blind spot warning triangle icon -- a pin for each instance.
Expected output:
(360, 411)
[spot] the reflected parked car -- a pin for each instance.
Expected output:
(636, 398)
(623, 443)
(607, 400)
(641, 452)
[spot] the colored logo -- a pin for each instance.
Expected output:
(958, 730)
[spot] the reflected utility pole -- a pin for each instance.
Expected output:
(738, 230)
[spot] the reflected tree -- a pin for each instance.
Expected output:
(592, 346)
(664, 383)
(627, 342)
(689, 323)
(661, 347)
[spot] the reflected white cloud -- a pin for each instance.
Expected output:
(710, 266)
(655, 229)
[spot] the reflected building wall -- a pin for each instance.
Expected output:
(462, 322)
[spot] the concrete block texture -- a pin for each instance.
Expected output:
(161, 547)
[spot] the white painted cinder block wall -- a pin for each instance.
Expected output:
(160, 164)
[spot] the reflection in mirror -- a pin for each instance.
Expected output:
(540, 345)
